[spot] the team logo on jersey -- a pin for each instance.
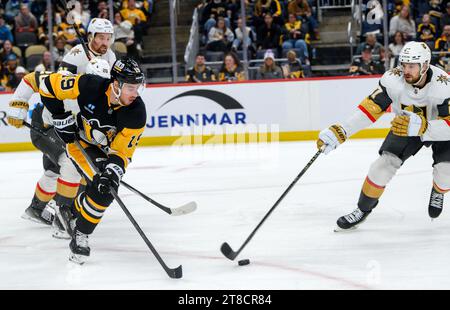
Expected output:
(395, 71)
(97, 133)
(75, 51)
(443, 79)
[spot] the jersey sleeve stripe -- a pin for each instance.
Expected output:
(367, 113)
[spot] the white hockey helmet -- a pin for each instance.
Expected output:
(416, 53)
(99, 67)
(100, 25)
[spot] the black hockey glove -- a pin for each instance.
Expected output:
(65, 127)
(109, 178)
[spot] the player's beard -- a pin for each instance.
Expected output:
(411, 81)
(102, 49)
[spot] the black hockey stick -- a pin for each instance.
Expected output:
(181, 210)
(228, 251)
(77, 30)
(175, 273)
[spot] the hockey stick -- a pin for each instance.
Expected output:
(175, 273)
(77, 30)
(181, 210)
(228, 251)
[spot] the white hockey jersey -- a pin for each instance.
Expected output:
(431, 101)
(76, 60)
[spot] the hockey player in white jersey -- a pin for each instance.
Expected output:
(419, 94)
(100, 38)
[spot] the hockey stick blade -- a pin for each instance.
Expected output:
(227, 251)
(184, 209)
(176, 273)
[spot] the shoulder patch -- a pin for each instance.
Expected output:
(395, 71)
(443, 78)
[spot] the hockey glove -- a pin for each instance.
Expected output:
(330, 138)
(17, 113)
(65, 127)
(109, 178)
(409, 125)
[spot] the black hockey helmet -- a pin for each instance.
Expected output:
(127, 71)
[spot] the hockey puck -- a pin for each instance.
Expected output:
(244, 262)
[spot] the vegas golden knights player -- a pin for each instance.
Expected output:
(110, 123)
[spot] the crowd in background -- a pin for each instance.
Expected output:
(418, 20)
(24, 30)
(290, 28)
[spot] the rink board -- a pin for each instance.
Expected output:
(263, 111)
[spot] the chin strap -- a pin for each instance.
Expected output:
(117, 95)
(423, 70)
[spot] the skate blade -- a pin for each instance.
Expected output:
(34, 220)
(58, 234)
(77, 259)
(342, 230)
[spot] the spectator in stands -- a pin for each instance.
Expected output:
(239, 37)
(371, 40)
(46, 63)
(292, 69)
(5, 33)
(302, 10)
(295, 38)
(12, 9)
(67, 31)
(123, 32)
(3, 78)
(6, 51)
(262, 7)
(366, 65)
(268, 35)
(200, 72)
(43, 29)
(443, 45)
(211, 13)
(403, 23)
(426, 31)
(59, 50)
(19, 73)
(98, 8)
(269, 70)
(25, 21)
(220, 37)
(434, 9)
(81, 15)
(231, 69)
(38, 8)
(395, 48)
(445, 20)
(10, 70)
(138, 19)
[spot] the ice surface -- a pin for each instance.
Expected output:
(234, 186)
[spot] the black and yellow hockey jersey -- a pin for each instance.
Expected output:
(115, 129)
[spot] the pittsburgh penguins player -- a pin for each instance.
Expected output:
(110, 123)
(419, 94)
(60, 181)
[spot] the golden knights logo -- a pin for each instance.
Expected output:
(443, 79)
(97, 134)
(75, 51)
(395, 71)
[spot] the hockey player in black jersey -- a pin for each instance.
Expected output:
(110, 123)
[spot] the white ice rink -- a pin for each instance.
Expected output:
(398, 247)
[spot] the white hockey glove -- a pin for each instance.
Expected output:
(17, 113)
(409, 124)
(330, 138)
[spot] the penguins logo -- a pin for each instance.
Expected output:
(98, 134)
